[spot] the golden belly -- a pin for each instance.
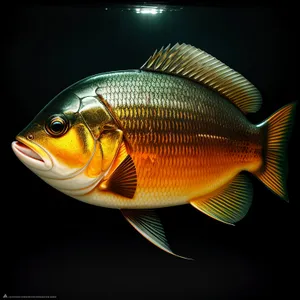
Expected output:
(174, 174)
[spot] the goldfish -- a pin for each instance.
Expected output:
(173, 132)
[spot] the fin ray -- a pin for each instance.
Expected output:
(231, 204)
(195, 64)
(277, 129)
(148, 224)
(123, 180)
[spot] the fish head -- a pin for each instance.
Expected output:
(61, 144)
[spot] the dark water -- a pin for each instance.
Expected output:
(55, 245)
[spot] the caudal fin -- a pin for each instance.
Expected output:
(276, 130)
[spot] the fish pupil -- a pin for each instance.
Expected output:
(57, 126)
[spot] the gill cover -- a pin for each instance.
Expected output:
(107, 136)
(111, 160)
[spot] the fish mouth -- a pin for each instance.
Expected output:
(32, 155)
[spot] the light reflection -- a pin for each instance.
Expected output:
(149, 10)
(145, 10)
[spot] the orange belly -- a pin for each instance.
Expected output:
(194, 171)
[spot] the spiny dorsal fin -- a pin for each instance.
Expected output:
(195, 64)
(148, 224)
(231, 204)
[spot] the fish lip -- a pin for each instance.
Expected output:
(31, 155)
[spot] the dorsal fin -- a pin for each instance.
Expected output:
(195, 64)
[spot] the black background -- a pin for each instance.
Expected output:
(55, 245)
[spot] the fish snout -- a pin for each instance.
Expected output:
(31, 154)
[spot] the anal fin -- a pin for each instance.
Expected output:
(231, 204)
(148, 224)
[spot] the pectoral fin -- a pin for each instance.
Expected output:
(231, 204)
(123, 180)
(121, 177)
(148, 224)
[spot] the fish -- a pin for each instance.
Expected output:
(172, 132)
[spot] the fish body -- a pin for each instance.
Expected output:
(186, 140)
(173, 132)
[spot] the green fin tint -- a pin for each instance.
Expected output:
(148, 224)
(192, 63)
(276, 129)
(231, 205)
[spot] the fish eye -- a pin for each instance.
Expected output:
(56, 125)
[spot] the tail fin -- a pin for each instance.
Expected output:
(276, 130)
